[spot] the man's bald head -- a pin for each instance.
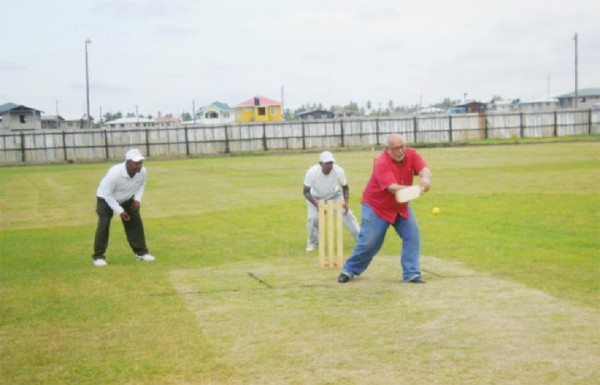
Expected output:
(394, 139)
(395, 147)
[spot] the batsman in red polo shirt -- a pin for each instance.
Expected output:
(393, 170)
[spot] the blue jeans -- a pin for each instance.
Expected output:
(372, 233)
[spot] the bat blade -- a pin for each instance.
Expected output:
(408, 194)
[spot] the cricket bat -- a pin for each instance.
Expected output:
(408, 194)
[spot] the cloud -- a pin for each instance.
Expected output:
(139, 9)
(169, 31)
(11, 67)
(103, 88)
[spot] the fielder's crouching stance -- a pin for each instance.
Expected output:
(120, 192)
(321, 182)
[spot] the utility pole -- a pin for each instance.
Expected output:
(576, 65)
(282, 106)
(548, 87)
(87, 84)
(194, 110)
(57, 119)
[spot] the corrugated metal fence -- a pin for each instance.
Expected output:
(94, 145)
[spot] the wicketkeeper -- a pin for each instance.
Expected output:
(322, 182)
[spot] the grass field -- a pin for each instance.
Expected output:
(512, 267)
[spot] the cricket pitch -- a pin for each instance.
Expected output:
(292, 322)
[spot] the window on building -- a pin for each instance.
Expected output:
(273, 111)
(22, 118)
(262, 111)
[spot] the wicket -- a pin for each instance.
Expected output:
(327, 211)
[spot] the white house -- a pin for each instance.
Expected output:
(18, 117)
(503, 105)
(76, 123)
(167, 122)
(129, 123)
(214, 113)
(538, 104)
(587, 98)
(58, 122)
(518, 105)
(430, 111)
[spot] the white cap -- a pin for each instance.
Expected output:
(326, 157)
(134, 154)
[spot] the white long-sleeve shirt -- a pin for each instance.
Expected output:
(118, 187)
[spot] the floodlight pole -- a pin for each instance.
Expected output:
(87, 84)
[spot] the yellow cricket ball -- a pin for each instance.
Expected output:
(436, 211)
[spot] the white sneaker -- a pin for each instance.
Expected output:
(145, 258)
(310, 248)
(100, 262)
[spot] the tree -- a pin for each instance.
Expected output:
(352, 106)
(109, 116)
(288, 115)
(186, 117)
(447, 103)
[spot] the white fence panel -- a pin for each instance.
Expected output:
(503, 126)
(468, 127)
(245, 137)
(402, 126)
(433, 129)
(323, 134)
(86, 145)
(90, 145)
(11, 149)
(207, 140)
(574, 122)
(358, 132)
(538, 125)
(595, 130)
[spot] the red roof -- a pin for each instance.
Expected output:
(262, 101)
(166, 119)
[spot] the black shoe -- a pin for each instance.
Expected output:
(417, 280)
(343, 278)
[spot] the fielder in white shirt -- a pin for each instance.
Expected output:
(322, 182)
(120, 192)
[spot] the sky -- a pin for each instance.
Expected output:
(169, 56)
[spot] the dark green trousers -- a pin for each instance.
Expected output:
(134, 229)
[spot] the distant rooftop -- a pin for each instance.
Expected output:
(582, 93)
(262, 101)
(130, 121)
(12, 106)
